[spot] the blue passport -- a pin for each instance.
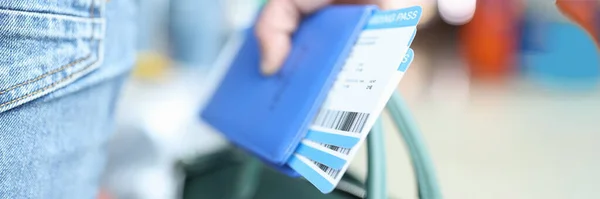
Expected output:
(269, 115)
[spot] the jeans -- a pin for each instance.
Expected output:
(62, 66)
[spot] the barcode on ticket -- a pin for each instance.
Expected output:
(333, 173)
(344, 151)
(342, 120)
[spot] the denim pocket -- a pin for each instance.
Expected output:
(44, 47)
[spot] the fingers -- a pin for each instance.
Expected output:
(279, 19)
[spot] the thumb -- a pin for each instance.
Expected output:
(276, 24)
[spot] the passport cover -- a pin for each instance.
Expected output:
(269, 116)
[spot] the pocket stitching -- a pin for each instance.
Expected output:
(46, 74)
(62, 68)
(54, 83)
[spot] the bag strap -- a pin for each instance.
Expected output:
(427, 183)
(376, 176)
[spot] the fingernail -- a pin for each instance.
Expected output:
(267, 69)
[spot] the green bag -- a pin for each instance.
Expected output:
(232, 174)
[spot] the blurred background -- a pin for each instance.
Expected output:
(506, 93)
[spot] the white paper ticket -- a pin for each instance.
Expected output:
(366, 82)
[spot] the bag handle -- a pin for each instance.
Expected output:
(376, 179)
(427, 184)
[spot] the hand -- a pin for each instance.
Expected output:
(279, 20)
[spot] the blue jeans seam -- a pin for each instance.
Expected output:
(54, 83)
(46, 74)
(62, 68)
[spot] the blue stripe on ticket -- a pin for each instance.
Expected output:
(332, 139)
(321, 156)
(408, 58)
(310, 174)
(395, 18)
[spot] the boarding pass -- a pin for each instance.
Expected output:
(367, 80)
